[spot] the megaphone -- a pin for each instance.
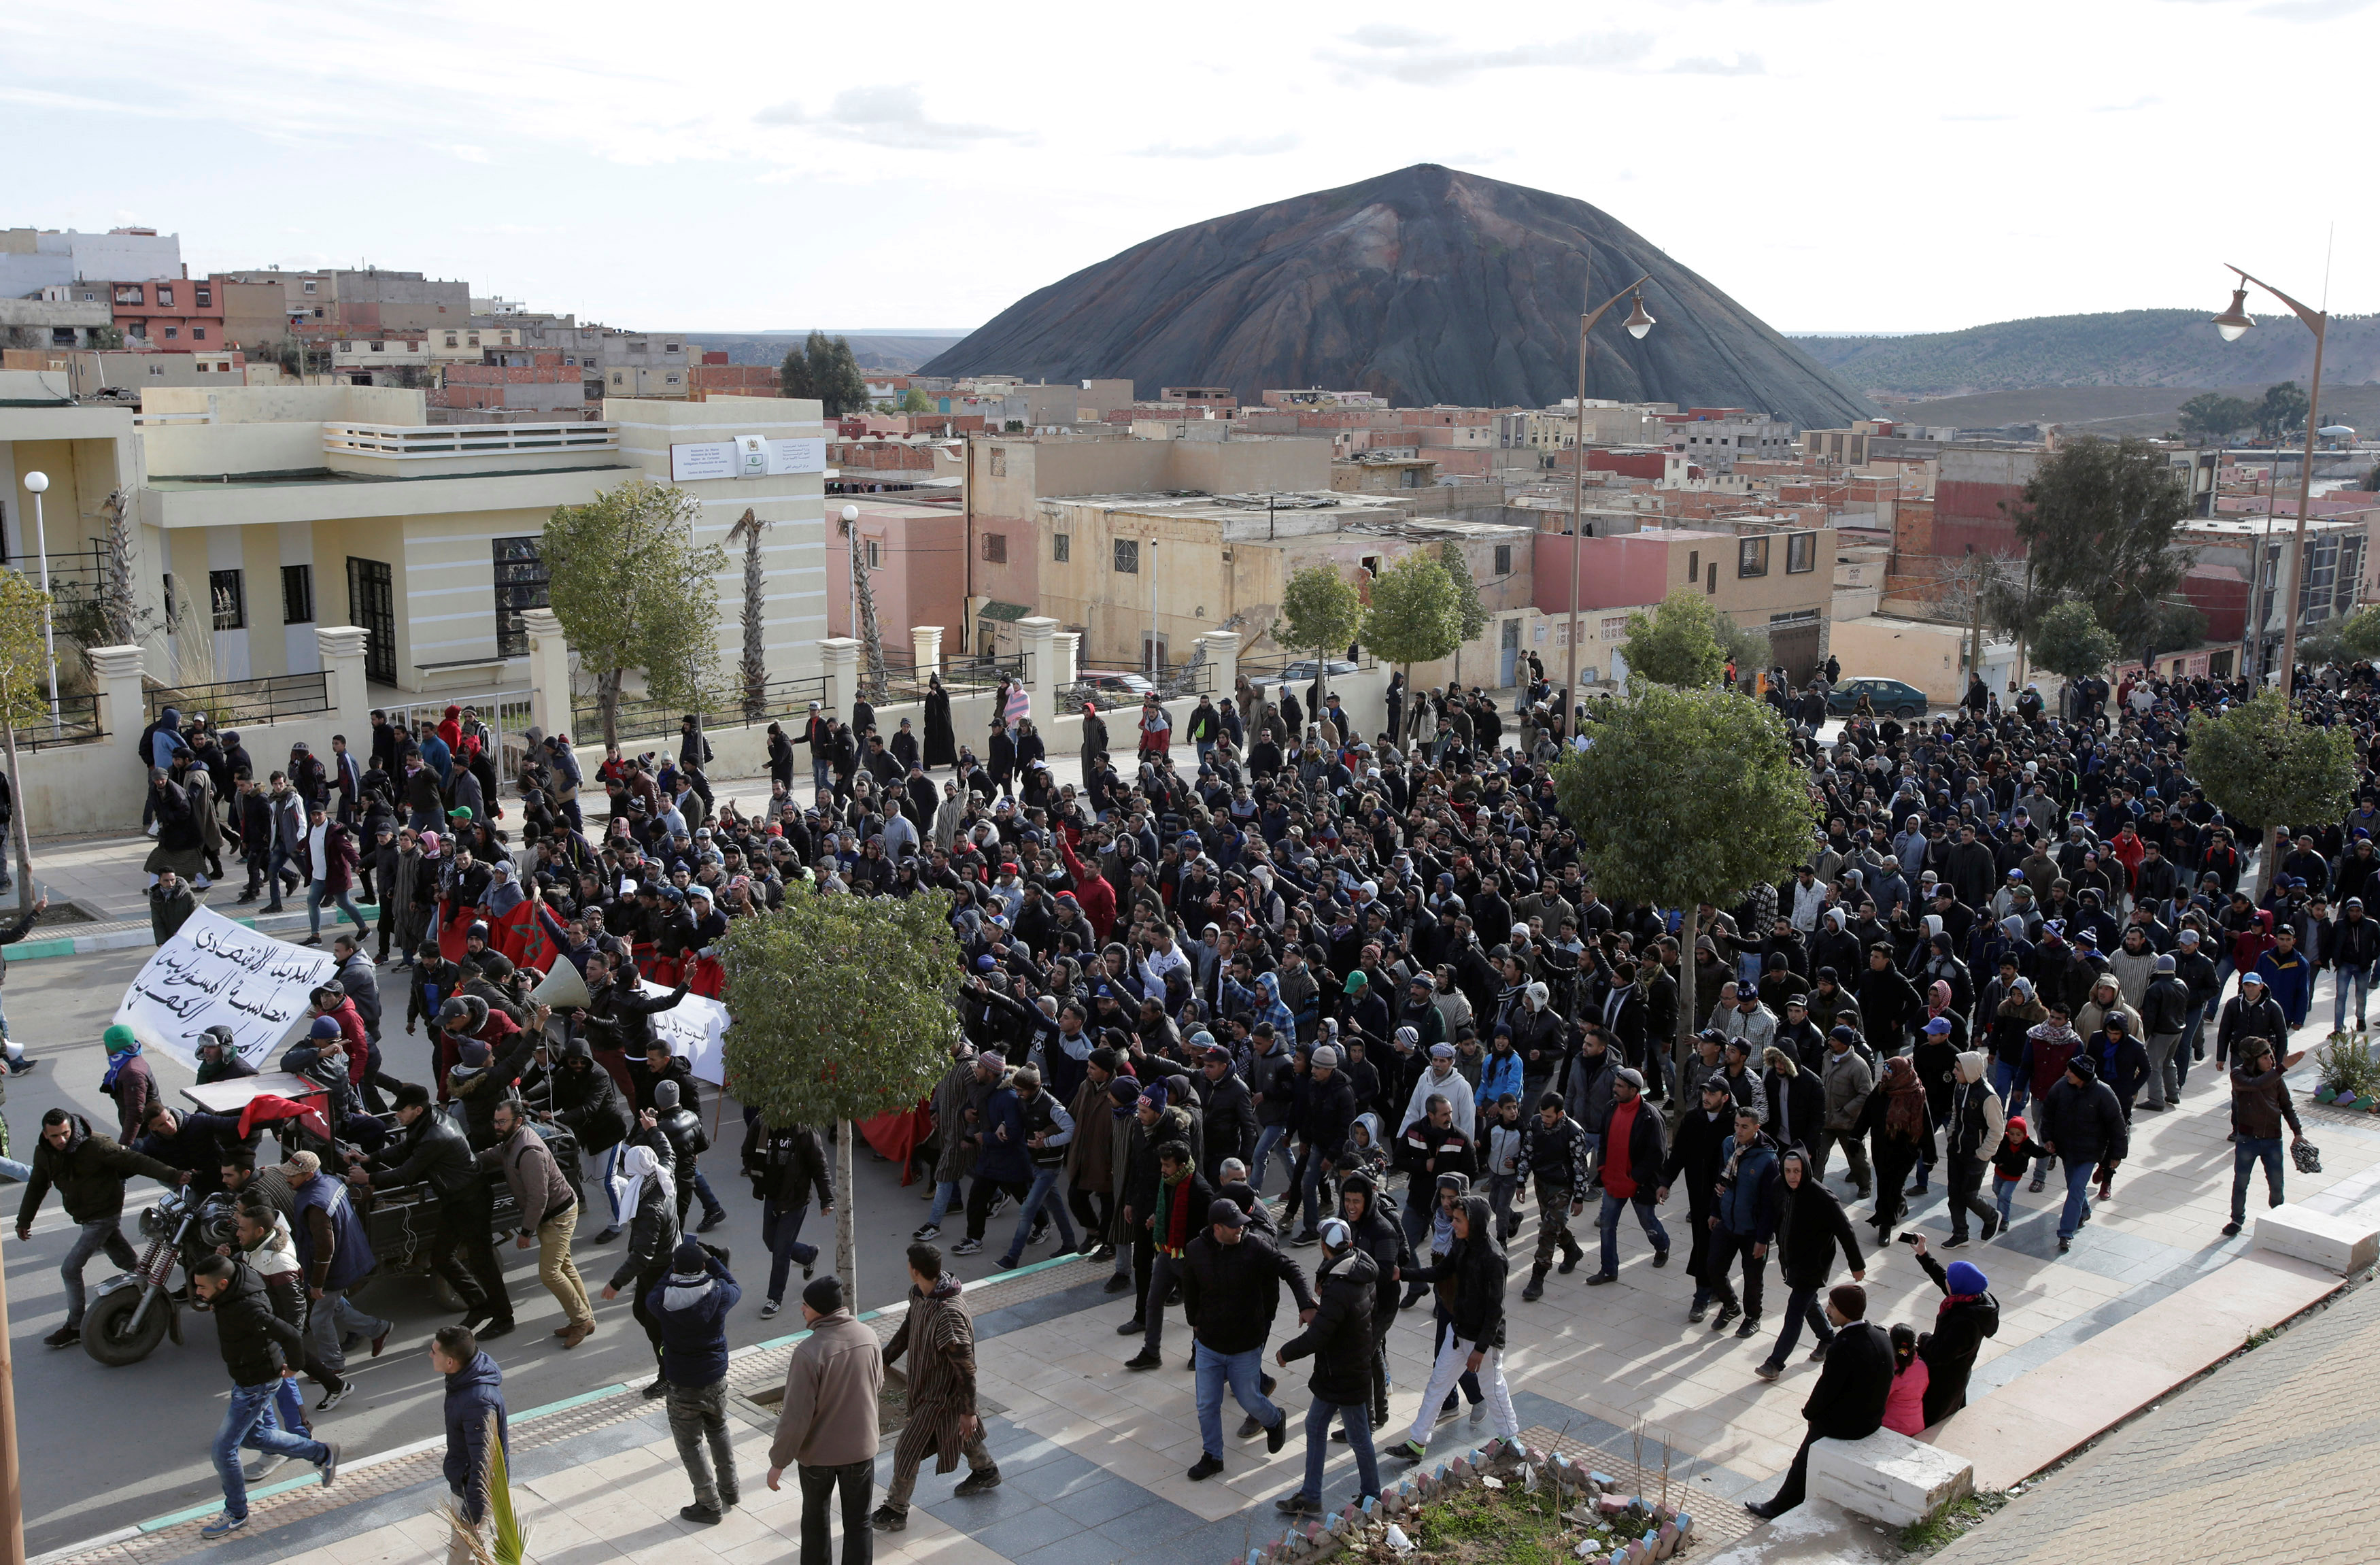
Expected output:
(563, 989)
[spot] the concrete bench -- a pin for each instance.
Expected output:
(2343, 1244)
(1888, 1476)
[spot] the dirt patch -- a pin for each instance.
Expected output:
(892, 1402)
(1481, 1526)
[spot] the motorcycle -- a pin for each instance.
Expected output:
(131, 1314)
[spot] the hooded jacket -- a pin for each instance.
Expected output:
(1382, 1238)
(255, 1341)
(1471, 1278)
(1339, 1337)
(1811, 1226)
(473, 1393)
(586, 1099)
(1750, 1190)
(1976, 1119)
(693, 1318)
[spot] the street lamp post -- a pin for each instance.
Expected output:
(37, 484)
(1638, 323)
(2232, 324)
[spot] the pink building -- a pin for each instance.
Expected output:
(916, 559)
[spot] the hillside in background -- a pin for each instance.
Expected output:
(885, 352)
(1425, 285)
(2117, 410)
(2131, 347)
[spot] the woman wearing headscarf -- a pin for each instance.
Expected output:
(1901, 1130)
(1470, 1279)
(941, 741)
(1967, 1315)
(651, 1196)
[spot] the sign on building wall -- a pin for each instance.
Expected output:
(745, 456)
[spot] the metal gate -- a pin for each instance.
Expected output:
(1794, 648)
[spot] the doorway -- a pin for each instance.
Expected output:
(371, 605)
(1508, 657)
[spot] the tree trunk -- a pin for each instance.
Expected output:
(607, 702)
(846, 1224)
(20, 831)
(1679, 1045)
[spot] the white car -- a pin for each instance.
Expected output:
(1302, 672)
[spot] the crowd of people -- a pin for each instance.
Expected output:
(1295, 989)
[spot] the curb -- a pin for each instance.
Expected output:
(127, 939)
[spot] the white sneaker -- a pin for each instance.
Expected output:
(265, 1467)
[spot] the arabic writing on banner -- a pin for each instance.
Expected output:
(216, 973)
(696, 1028)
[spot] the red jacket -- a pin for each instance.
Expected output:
(1092, 892)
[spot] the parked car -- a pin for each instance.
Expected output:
(1887, 696)
(1302, 672)
(1108, 686)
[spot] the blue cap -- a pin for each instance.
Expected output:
(324, 1026)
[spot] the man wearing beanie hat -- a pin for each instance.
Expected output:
(827, 1423)
(2083, 1126)
(2165, 1016)
(1329, 1115)
(1231, 1291)
(129, 1081)
(691, 1304)
(1848, 1082)
(1969, 1314)
(1848, 1402)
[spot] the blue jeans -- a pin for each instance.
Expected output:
(1608, 1221)
(782, 1232)
(1357, 1419)
(711, 1206)
(946, 1195)
(2245, 1154)
(2191, 1030)
(2003, 1196)
(1245, 1373)
(2359, 979)
(1310, 1185)
(1045, 1183)
(279, 861)
(2078, 1195)
(289, 1405)
(317, 893)
(2010, 1082)
(1267, 1139)
(250, 1421)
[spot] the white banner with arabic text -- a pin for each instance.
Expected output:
(214, 972)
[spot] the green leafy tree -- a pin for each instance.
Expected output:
(1747, 646)
(2070, 641)
(1416, 617)
(1321, 610)
(1678, 643)
(2260, 763)
(843, 1012)
(633, 590)
(2214, 416)
(825, 369)
(2359, 635)
(2283, 408)
(1476, 617)
(2097, 519)
(915, 400)
(1683, 797)
(24, 701)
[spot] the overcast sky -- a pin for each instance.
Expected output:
(1835, 165)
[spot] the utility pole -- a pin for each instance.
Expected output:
(12, 1493)
(1638, 324)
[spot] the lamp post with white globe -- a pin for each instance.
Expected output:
(37, 484)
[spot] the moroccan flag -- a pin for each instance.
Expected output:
(521, 936)
(705, 976)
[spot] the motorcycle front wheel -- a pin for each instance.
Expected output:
(107, 1332)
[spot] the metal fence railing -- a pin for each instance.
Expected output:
(76, 723)
(234, 703)
(904, 681)
(504, 711)
(725, 707)
(1298, 667)
(1112, 685)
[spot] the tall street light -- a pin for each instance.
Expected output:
(1638, 323)
(2231, 325)
(37, 484)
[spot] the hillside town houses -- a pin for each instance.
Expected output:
(270, 432)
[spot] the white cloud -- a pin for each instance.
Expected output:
(2310, 11)
(470, 153)
(1741, 64)
(893, 118)
(1420, 59)
(1225, 147)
